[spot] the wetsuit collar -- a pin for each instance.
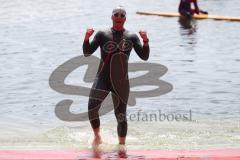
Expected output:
(117, 31)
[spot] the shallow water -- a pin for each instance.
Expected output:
(202, 61)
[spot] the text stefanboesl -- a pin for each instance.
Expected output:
(159, 116)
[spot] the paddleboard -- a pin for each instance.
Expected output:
(196, 16)
(217, 154)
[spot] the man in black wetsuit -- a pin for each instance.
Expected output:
(113, 41)
(185, 8)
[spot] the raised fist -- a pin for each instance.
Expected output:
(143, 35)
(89, 33)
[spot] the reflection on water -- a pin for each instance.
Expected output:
(187, 24)
(188, 29)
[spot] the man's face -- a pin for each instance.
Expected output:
(118, 19)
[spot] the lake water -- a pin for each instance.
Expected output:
(203, 64)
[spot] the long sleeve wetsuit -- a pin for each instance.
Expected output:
(111, 42)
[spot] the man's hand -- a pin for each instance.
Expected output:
(88, 34)
(143, 35)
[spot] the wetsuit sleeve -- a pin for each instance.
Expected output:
(142, 51)
(90, 47)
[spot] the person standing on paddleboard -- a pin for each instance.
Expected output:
(113, 41)
(185, 8)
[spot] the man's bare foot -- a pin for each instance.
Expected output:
(97, 141)
(95, 146)
(122, 151)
